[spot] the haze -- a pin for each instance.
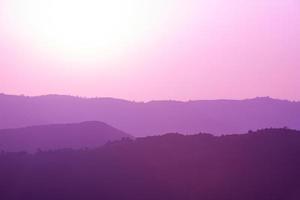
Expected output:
(183, 49)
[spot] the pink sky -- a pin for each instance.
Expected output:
(207, 49)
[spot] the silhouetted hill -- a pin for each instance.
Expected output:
(59, 136)
(263, 165)
(155, 117)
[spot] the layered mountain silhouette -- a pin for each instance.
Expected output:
(150, 118)
(59, 136)
(260, 165)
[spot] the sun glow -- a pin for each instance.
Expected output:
(86, 29)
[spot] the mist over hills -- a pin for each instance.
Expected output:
(260, 165)
(90, 134)
(150, 118)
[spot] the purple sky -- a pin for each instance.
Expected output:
(159, 49)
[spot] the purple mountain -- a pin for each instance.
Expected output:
(59, 136)
(154, 117)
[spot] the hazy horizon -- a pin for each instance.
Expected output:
(124, 99)
(149, 100)
(144, 50)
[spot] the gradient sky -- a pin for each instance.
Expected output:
(151, 49)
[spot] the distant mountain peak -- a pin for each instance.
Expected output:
(59, 136)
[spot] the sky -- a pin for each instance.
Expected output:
(151, 49)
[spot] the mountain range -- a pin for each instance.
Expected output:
(153, 117)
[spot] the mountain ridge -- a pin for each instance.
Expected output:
(260, 165)
(153, 117)
(90, 134)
